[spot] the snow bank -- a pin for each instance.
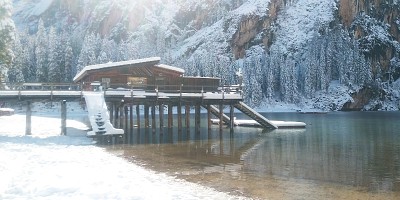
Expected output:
(48, 166)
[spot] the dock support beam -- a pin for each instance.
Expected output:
(153, 118)
(116, 115)
(28, 129)
(146, 115)
(130, 118)
(111, 113)
(161, 113)
(121, 116)
(170, 117)
(63, 117)
(197, 118)
(138, 115)
(187, 115)
(221, 118)
(209, 117)
(231, 117)
(179, 110)
(127, 133)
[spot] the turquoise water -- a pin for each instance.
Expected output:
(338, 152)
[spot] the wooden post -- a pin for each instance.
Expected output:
(130, 117)
(209, 117)
(121, 117)
(138, 116)
(161, 113)
(170, 117)
(179, 110)
(63, 117)
(28, 129)
(146, 115)
(153, 118)
(112, 113)
(115, 120)
(197, 118)
(187, 115)
(232, 117)
(127, 132)
(221, 113)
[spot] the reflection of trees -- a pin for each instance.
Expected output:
(355, 153)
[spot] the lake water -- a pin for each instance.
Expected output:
(340, 155)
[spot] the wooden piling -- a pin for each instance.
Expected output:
(221, 114)
(130, 117)
(209, 118)
(197, 118)
(63, 117)
(146, 115)
(187, 115)
(28, 127)
(179, 111)
(116, 114)
(170, 117)
(121, 116)
(153, 118)
(127, 132)
(231, 117)
(112, 113)
(138, 116)
(161, 113)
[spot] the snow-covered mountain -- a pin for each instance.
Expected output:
(328, 54)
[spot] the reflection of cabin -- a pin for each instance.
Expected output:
(146, 74)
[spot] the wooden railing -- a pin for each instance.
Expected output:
(87, 86)
(40, 86)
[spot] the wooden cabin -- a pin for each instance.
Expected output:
(143, 74)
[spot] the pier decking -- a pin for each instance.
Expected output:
(147, 83)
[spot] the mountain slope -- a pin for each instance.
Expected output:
(293, 51)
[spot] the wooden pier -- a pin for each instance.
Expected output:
(126, 104)
(128, 86)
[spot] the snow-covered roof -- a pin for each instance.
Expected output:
(153, 61)
(171, 68)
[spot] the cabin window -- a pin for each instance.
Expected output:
(137, 82)
(106, 82)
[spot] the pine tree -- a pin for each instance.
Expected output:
(41, 53)
(68, 56)
(7, 30)
(87, 55)
(15, 72)
(54, 70)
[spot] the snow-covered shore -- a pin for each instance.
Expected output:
(46, 165)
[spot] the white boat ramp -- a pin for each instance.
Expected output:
(254, 123)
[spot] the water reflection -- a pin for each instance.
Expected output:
(352, 149)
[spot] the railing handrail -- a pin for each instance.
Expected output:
(175, 88)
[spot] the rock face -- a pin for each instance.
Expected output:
(360, 99)
(364, 18)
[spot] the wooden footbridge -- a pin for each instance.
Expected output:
(123, 101)
(144, 83)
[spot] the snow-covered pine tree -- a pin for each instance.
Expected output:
(87, 55)
(269, 79)
(15, 74)
(41, 53)
(7, 31)
(54, 70)
(68, 62)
